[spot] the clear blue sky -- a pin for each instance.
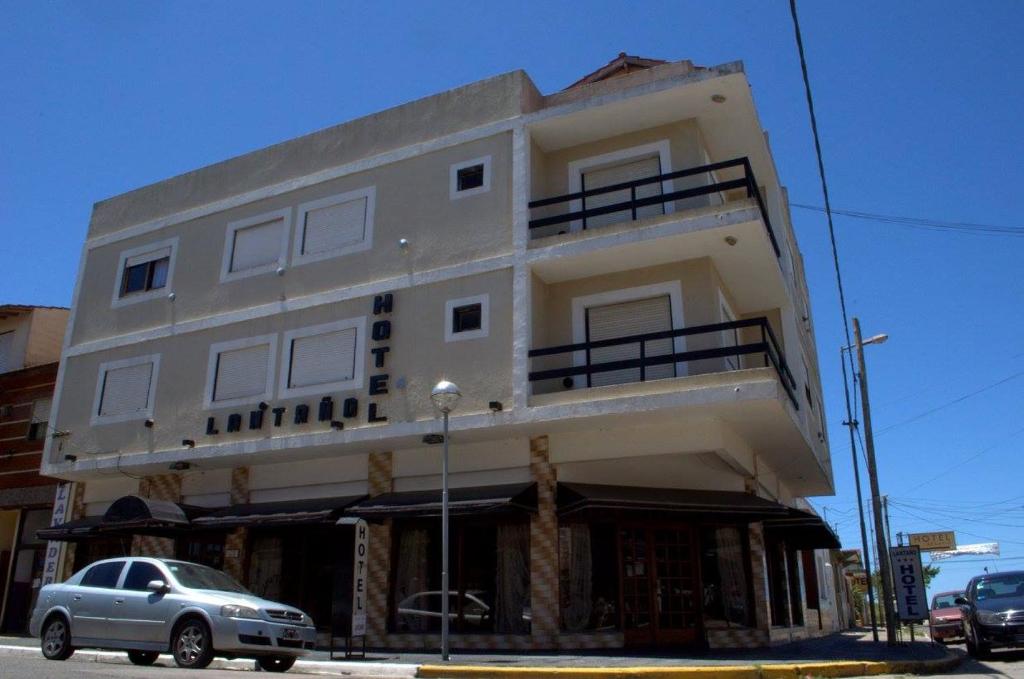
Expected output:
(920, 112)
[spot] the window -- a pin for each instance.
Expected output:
(125, 389)
(256, 245)
(140, 574)
(334, 226)
(7, 351)
(727, 595)
(240, 372)
(103, 575)
(470, 178)
(467, 318)
(588, 578)
(323, 358)
(145, 272)
(40, 420)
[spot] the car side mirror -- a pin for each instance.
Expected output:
(960, 601)
(158, 586)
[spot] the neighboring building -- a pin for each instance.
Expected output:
(253, 346)
(30, 343)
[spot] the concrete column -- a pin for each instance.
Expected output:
(759, 576)
(379, 481)
(544, 599)
(235, 542)
(166, 487)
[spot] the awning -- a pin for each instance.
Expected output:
(721, 505)
(802, 530)
(286, 512)
(128, 515)
(72, 531)
(461, 501)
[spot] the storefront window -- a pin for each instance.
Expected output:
(204, 548)
(724, 572)
(588, 577)
(489, 577)
(101, 547)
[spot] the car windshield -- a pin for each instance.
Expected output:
(992, 588)
(945, 601)
(194, 576)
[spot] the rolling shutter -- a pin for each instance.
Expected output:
(626, 172)
(241, 373)
(323, 359)
(334, 227)
(151, 256)
(257, 245)
(126, 390)
(6, 352)
(625, 319)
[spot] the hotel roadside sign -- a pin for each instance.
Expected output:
(942, 541)
(911, 599)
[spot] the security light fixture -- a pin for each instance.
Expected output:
(445, 396)
(149, 423)
(70, 458)
(730, 240)
(179, 466)
(337, 424)
(433, 439)
(718, 98)
(188, 443)
(495, 406)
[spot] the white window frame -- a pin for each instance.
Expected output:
(662, 148)
(723, 304)
(243, 343)
(484, 330)
(95, 417)
(285, 215)
(453, 178)
(368, 192)
(674, 290)
(117, 300)
(358, 373)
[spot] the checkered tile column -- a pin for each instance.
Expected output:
(759, 571)
(165, 487)
(543, 549)
(75, 511)
(379, 481)
(235, 541)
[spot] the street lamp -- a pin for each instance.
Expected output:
(445, 396)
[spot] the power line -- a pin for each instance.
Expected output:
(906, 511)
(969, 459)
(922, 223)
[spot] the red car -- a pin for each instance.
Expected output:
(944, 617)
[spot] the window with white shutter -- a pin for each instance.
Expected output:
(241, 373)
(145, 273)
(334, 226)
(617, 174)
(256, 245)
(622, 320)
(7, 352)
(124, 391)
(323, 358)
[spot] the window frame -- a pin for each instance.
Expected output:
(217, 348)
(453, 178)
(484, 300)
(101, 376)
(284, 215)
(298, 258)
(120, 300)
(359, 368)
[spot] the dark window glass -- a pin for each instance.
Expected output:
(140, 574)
(465, 318)
(194, 576)
(725, 593)
(103, 575)
(135, 278)
(145, 276)
(37, 431)
(470, 177)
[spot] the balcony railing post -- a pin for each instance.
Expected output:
(632, 200)
(764, 341)
(643, 357)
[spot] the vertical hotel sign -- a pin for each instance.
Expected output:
(55, 549)
(359, 566)
(911, 599)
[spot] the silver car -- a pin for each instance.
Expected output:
(151, 606)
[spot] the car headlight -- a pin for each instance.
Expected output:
(990, 617)
(238, 612)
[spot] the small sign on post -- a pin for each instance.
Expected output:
(930, 542)
(348, 605)
(911, 599)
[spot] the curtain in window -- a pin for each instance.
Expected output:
(512, 585)
(578, 599)
(411, 576)
(731, 571)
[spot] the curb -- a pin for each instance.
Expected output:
(767, 671)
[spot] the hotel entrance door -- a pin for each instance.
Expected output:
(659, 585)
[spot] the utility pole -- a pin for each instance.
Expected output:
(851, 423)
(883, 548)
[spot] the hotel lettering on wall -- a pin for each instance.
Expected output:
(325, 410)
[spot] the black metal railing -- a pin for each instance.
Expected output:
(768, 346)
(747, 181)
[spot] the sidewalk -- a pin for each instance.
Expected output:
(846, 654)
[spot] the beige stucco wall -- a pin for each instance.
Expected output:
(418, 353)
(412, 202)
(20, 326)
(46, 336)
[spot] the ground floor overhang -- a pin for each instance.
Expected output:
(478, 500)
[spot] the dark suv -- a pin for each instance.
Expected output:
(993, 612)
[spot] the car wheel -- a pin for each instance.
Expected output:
(56, 639)
(143, 658)
(192, 644)
(276, 663)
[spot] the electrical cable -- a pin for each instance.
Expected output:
(975, 456)
(920, 223)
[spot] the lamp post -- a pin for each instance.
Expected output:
(445, 396)
(876, 504)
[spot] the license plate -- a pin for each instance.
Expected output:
(291, 633)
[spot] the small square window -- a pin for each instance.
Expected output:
(471, 177)
(466, 318)
(37, 431)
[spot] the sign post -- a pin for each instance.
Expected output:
(911, 598)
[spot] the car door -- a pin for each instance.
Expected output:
(138, 614)
(92, 600)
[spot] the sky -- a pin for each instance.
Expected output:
(919, 109)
